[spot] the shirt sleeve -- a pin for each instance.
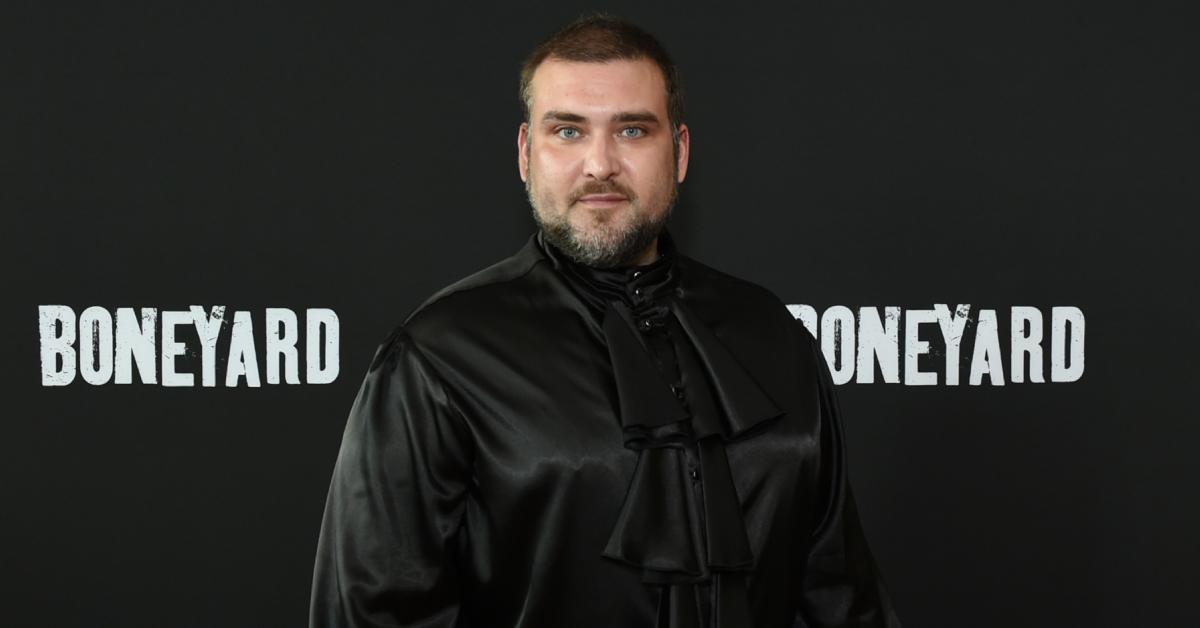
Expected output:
(842, 586)
(388, 548)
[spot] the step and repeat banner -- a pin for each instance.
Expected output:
(985, 214)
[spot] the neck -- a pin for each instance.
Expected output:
(647, 256)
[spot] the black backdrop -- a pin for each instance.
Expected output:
(360, 157)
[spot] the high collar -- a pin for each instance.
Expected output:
(638, 287)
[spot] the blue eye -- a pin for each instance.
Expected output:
(636, 132)
(568, 133)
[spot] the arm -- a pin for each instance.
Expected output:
(387, 549)
(841, 586)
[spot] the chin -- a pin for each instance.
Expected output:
(600, 228)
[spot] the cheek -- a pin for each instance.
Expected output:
(651, 172)
(552, 164)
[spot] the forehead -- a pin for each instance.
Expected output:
(583, 87)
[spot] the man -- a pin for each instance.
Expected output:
(597, 431)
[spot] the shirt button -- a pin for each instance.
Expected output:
(637, 273)
(637, 292)
(695, 474)
(678, 390)
(646, 324)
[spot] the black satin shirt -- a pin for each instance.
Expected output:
(548, 444)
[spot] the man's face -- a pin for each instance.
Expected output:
(598, 159)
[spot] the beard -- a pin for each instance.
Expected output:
(610, 242)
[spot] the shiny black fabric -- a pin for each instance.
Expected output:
(547, 444)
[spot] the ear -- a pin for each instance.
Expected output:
(523, 151)
(685, 149)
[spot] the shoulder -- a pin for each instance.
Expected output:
(756, 326)
(480, 285)
(728, 298)
(479, 309)
(451, 319)
(470, 300)
(749, 312)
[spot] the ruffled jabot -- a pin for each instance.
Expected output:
(681, 521)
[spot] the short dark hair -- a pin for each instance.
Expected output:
(598, 38)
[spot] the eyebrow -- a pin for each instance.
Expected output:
(624, 116)
(635, 116)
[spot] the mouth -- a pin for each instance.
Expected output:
(602, 200)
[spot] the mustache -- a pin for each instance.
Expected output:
(601, 187)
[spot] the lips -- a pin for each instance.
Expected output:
(602, 198)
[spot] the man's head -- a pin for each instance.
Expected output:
(603, 146)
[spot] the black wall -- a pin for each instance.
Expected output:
(360, 157)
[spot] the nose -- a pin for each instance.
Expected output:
(601, 162)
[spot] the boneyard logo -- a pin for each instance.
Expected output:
(108, 351)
